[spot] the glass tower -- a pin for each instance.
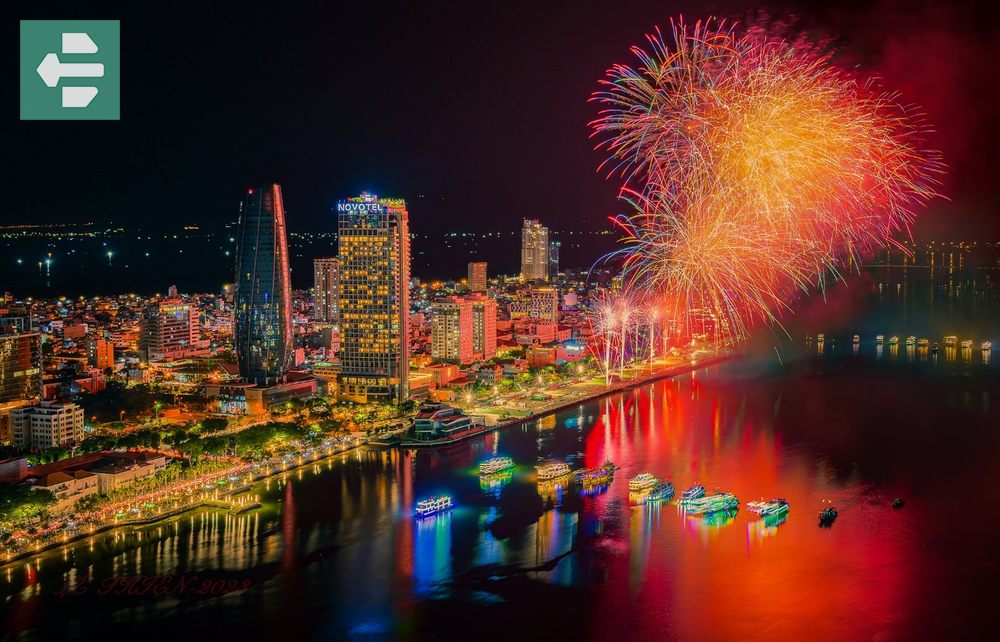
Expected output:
(534, 251)
(262, 304)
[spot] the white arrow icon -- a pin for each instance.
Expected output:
(51, 70)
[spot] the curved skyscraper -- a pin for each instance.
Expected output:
(263, 298)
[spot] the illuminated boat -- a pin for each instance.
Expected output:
(987, 345)
(820, 338)
(663, 490)
(879, 339)
(602, 475)
(433, 506)
(967, 344)
(827, 516)
(552, 470)
(894, 340)
(774, 508)
(922, 343)
(950, 341)
(756, 506)
(911, 341)
(712, 504)
(856, 339)
(642, 481)
(693, 493)
(495, 465)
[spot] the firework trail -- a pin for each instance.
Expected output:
(755, 168)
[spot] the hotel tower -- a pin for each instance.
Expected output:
(374, 302)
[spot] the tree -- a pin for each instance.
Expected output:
(214, 424)
(18, 502)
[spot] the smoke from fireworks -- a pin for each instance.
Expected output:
(755, 168)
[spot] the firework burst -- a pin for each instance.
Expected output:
(755, 168)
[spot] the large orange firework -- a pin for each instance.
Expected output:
(756, 167)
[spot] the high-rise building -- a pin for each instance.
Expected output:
(477, 276)
(262, 300)
(326, 283)
(101, 353)
(47, 425)
(544, 304)
(554, 258)
(463, 329)
(534, 251)
(20, 376)
(374, 258)
(169, 330)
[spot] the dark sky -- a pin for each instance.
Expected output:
(481, 107)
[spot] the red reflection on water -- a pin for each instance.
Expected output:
(703, 578)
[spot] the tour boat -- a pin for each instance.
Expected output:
(552, 470)
(894, 340)
(967, 344)
(950, 341)
(774, 508)
(693, 493)
(820, 338)
(711, 504)
(879, 339)
(987, 345)
(827, 516)
(756, 506)
(642, 481)
(911, 341)
(433, 506)
(857, 339)
(663, 490)
(600, 475)
(495, 465)
(922, 343)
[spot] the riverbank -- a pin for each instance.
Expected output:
(567, 402)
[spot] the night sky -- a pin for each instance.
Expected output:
(476, 113)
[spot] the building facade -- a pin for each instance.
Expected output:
(534, 251)
(544, 304)
(326, 284)
(463, 329)
(374, 302)
(46, 425)
(169, 330)
(554, 248)
(262, 301)
(20, 376)
(101, 354)
(477, 276)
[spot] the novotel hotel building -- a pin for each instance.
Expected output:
(374, 299)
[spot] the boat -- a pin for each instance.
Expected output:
(856, 339)
(433, 506)
(774, 508)
(756, 506)
(894, 340)
(693, 493)
(711, 504)
(663, 490)
(552, 470)
(495, 465)
(967, 344)
(987, 345)
(911, 341)
(827, 516)
(642, 481)
(934, 349)
(922, 343)
(820, 338)
(950, 341)
(879, 339)
(898, 502)
(596, 475)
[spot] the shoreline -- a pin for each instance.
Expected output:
(622, 386)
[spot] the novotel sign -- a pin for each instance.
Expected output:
(349, 207)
